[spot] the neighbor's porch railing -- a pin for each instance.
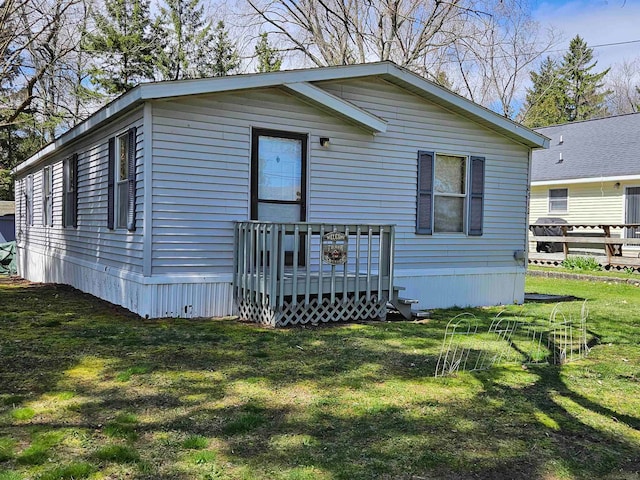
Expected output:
(614, 245)
(289, 273)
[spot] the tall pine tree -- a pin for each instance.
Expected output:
(546, 99)
(225, 53)
(122, 44)
(566, 92)
(189, 41)
(585, 97)
(269, 57)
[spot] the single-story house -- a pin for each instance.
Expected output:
(7, 221)
(179, 197)
(590, 174)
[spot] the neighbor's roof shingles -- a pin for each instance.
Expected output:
(607, 147)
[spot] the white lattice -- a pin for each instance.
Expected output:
(256, 312)
(354, 309)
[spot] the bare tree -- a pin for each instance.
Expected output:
(623, 81)
(481, 49)
(339, 32)
(495, 56)
(34, 45)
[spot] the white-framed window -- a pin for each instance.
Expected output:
(559, 200)
(70, 198)
(122, 180)
(28, 200)
(47, 196)
(450, 194)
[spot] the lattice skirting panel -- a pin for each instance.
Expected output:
(354, 309)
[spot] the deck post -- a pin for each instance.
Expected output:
(269, 282)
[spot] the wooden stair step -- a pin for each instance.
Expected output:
(407, 301)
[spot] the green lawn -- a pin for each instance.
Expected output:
(89, 391)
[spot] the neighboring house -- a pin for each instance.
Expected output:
(137, 205)
(7, 221)
(590, 174)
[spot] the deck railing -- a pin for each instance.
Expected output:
(288, 273)
(615, 245)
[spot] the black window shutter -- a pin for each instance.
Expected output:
(476, 202)
(425, 193)
(74, 185)
(65, 190)
(30, 199)
(131, 158)
(50, 198)
(110, 182)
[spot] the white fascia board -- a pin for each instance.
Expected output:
(338, 105)
(575, 181)
(528, 137)
(180, 88)
(114, 108)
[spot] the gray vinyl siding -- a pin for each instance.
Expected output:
(91, 241)
(201, 152)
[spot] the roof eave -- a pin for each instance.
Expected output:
(574, 181)
(461, 105)
(388, 70)
(120, 105)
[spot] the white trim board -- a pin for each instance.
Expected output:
(386, 70)
(134, 276)
(338, 106)
(575, 181)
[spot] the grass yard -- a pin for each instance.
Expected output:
(89, 391)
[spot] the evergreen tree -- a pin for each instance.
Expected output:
(269, 58)
(441, 78)
(585, 98)
(566, 92)
(11, 151)
(17, 143)
(122, 44)
(546, 99)
(189, 41)
(225, 53)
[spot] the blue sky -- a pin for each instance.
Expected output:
(598, 22)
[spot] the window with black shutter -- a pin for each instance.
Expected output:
(28, 200)
(47, 197)
(70, 189)
(121, 188)
(450, 197)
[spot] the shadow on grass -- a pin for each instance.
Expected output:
(347, 402)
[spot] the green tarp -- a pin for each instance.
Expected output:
(8, 258)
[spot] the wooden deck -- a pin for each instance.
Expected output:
(297, 273)
(614, 246)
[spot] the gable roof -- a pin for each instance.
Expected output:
(300, 82)
(592, 149)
